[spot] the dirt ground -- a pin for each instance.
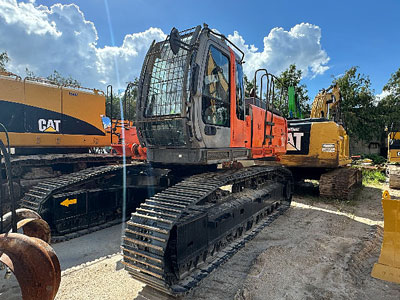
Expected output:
(316, 250)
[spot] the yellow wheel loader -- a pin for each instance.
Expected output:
(318, 147)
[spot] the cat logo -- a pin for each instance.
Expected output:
(294, 141)
(51, 126)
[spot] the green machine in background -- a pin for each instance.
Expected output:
(294, 105)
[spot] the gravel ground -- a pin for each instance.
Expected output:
(103, 279)
(316, 250)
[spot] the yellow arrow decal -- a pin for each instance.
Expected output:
(67, 202)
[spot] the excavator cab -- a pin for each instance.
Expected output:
(394, 143)
(394, 155)
(191, 103)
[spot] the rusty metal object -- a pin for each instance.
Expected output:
(34, 264)
(37, 228)
(27, 255)
(30, 222)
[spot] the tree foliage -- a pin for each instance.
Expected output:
(291, 77)
(393, 85)
(57, 78)
(4, 59)
(64, 81)
(127, 101)
(362, 118)
(389, 106)
(248, 86)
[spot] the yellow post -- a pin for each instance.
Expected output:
(388, 266)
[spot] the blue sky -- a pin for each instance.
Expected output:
(352, 33)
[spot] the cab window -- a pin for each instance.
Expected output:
(215, 100)
(239, 92)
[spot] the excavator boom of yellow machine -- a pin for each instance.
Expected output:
(326, 102)
(388, 266)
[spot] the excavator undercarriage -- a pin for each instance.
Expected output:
(177, 237)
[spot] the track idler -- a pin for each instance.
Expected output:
(388, 266)
(29, 256)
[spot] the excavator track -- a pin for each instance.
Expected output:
(394, 176)
(340, 183)
(177, 237)
(89, 200)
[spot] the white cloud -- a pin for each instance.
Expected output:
(301, 46)
(44, 39)
(379, 97)
(58, 37)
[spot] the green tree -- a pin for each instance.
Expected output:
(389, 106)
(291, 77)
(248, 86)
(127, 100)
(393, 85)
(4, 59)
(64, 81)
(57, 78)
(362, 119)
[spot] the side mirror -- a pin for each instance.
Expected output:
(175, 42)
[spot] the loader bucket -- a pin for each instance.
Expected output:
(388, 266)
(34, 264)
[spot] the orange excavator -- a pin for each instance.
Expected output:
(189, 215)
(192, 116)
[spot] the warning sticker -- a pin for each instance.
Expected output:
(328, 147)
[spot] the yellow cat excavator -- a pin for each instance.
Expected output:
(318, 147)
(51, 128)
(394, 156)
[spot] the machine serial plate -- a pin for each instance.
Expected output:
(328, 147)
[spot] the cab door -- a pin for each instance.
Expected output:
(238, 124)
(215, 99)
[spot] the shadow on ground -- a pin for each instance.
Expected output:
(365, 203)
(89, 247)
